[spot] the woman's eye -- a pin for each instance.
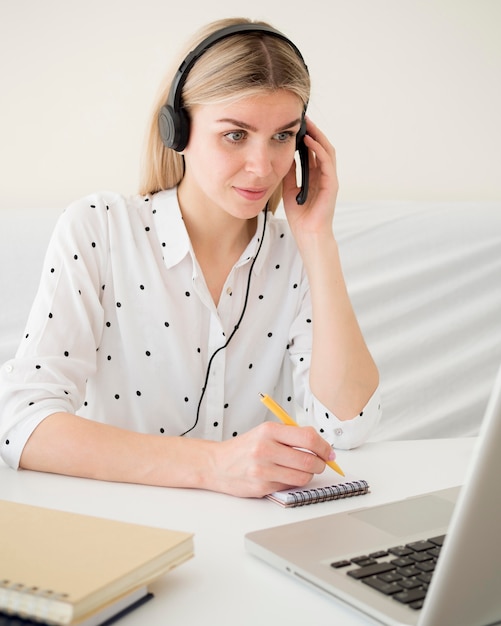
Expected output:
(285, 136)
(235, 135)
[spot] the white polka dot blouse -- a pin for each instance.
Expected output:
(123, 330)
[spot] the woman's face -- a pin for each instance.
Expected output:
(239, 152)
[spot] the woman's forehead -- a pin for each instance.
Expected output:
(280, 103)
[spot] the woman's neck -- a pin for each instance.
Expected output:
(218, 240)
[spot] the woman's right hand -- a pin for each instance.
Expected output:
(268, 458)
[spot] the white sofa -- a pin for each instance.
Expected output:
(425, 281)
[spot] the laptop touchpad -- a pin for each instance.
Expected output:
(407, 517)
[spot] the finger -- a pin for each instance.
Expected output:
(322, 152)
(321, 141)
(304, 438)
(301, 460)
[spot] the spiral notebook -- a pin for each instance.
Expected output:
(323, 488)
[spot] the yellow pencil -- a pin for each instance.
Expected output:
(285, 418)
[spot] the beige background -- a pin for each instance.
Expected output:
(409, 91)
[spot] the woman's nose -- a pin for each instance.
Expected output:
(258, 159)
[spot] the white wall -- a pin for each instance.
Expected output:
(409, 91)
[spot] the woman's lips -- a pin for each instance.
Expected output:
(251, 194)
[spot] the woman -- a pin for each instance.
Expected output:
(161, 318)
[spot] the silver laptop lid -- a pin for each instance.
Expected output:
(466, 584)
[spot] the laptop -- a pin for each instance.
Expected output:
(429, 560)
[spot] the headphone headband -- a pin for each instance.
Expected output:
(173, 120)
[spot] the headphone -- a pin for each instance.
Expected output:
(174, 122)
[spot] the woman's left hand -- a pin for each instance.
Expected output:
(315, 216)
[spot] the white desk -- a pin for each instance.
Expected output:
(223, 585)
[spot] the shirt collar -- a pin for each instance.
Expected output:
(174, 238)
(170, 227)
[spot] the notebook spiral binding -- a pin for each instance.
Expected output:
(333, 492)
(21, 600)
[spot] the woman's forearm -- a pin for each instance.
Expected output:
(67, 444)
(343, 375)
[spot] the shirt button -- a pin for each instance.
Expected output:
(9, 368)
(229, 291)
(338, 432)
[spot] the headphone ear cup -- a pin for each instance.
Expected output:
(174, 128)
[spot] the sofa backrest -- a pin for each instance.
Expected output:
(425, 282)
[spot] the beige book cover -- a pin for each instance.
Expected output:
(62, 567)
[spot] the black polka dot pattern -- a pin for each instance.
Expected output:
(128, 326)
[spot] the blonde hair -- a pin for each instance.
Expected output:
(236, 67)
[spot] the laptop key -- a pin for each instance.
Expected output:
(402, 561)
(421, 556)
(425, 577)
(379, 554)
(390, 577)
(370, 570)
(416, 605)
(408, 572)
(388, 588)
(400, 550)
(339, 564)
(437, 541)
(410, 595)
(427, 566)
(411, 583)
(362, 561)
(420, 546)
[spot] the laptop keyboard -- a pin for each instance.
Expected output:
(401, 572)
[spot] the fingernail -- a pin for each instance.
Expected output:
(332, 455)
